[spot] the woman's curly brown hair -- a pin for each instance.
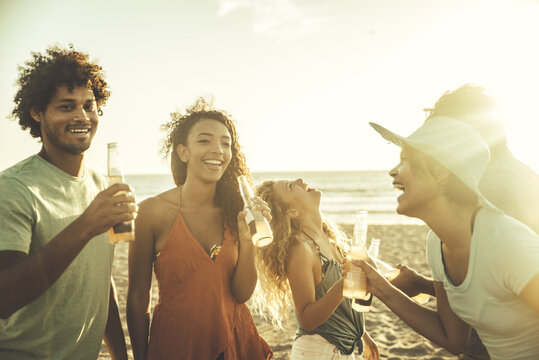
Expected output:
(40, 77)
(227, 195)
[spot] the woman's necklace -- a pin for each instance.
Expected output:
(314, 242)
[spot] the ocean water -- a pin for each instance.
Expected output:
(343, 192)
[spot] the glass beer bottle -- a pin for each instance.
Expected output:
(355, 283)
(122, 231)
(389, 271)
(258, 224)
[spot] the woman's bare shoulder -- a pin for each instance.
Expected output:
(300, 252)
(155, 205)
(169, 196)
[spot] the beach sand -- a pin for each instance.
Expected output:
(400, 244)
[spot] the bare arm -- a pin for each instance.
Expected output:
(370, 349)
(114, 335)
(412, 283)
(243, 281)
(311, 312)
(442, 326)
(141, 253)
(24, 278)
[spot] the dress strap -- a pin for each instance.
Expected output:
(324, 259)
(157, 253)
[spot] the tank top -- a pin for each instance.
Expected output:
(344, 327)
(196, 316)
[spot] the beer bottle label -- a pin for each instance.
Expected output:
(364, 302)
(122, 228)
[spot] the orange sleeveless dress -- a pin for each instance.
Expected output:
(196, 316)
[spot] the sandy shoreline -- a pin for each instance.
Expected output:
(400, 244)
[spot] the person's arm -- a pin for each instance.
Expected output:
(530, 293)
(243, 281)
(443, 326)
(517, 263)
(141, 255)
(24, 278)
(475, 349)
(370, 349)
(299, 270)
(114, 335)
(412, 283)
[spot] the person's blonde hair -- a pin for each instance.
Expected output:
(272, 296)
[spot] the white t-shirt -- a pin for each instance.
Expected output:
(504, 256)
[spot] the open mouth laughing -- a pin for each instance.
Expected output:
(213, 163)
(307, 188)
(398, 186)
(79, 130)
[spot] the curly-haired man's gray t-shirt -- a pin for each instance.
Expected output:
(37, 201)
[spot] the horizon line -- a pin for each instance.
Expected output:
(275, 171)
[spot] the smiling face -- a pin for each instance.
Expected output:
(417, 185)
(298, 195)
(69, 122)
(207, 151)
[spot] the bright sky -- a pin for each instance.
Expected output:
(301, 78)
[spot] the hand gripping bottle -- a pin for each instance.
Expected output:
(122, 231)
(389, 271)
(355, 284)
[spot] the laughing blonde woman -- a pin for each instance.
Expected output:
(304, 261)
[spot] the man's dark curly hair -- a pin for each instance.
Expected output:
(40, 77)
(227, 196)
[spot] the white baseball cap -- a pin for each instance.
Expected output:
(454, 144)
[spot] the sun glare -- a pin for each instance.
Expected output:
(507, 66)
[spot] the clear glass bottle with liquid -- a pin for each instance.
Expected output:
(258, 224)
(355, 283)
(389, 271)
(374, 248)
(123, 231)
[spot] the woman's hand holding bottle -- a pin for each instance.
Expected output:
(244, 228)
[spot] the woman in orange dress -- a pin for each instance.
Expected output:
(196, 239)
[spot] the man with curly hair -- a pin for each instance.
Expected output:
(58, 299)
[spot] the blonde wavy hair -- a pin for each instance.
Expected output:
(272, 296)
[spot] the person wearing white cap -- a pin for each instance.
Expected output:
(507, 183)
(485, 264)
